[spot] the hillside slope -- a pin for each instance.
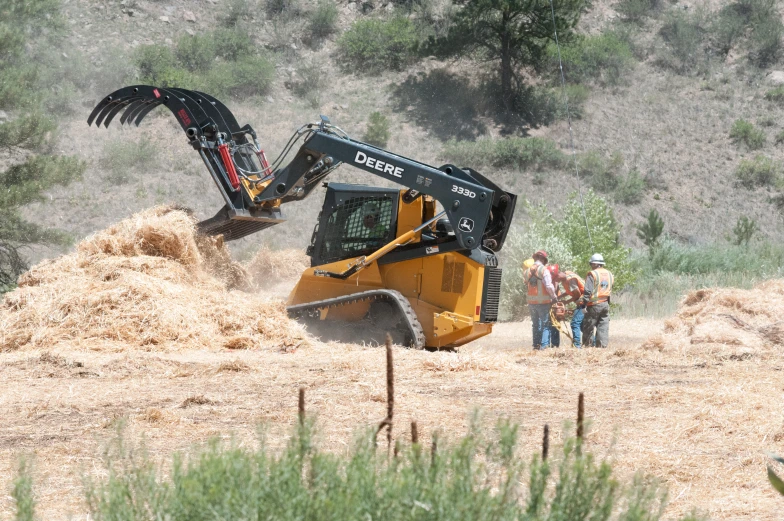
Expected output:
(673, 129)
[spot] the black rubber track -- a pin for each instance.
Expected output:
(416, 333)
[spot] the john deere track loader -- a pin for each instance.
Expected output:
(420, 260)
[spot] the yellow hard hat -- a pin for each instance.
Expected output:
(528, 263)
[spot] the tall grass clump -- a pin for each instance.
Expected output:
(22, 492)
(605, 58)
(375, 45)
(760, 171)
(683, 34)
(531, 153)
(480, 476)
(673, 269)
(776, 94)
(637, 10)
(378, 130)
(323, 21)
(121, 159)
(744, 132)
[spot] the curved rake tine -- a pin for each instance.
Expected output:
(139, 115)
(109, 108)
(147, 105)
(112, 113)
(131, 108)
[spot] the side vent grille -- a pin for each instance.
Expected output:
(491, 295)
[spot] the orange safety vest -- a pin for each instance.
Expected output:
(534, 280)
(567, 284)
(602, 286)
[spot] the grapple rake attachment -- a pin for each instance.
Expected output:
(231, 153)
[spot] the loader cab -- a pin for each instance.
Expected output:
(355, 220)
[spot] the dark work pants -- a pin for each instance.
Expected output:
(597, 317)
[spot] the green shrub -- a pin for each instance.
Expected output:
(631, 188)
(480, 476)
(755, 21)
(520, 153)
(377, 132)
(780, 138)
(541, 105)
(310, 81)
(765, 40)
(760, 171)
(728, 27)
(195, 53)
(744, 230)
(376, 45)
(29, 131)
(281, 8)
(234, 11)
(603, 174)
(323, 21)
(251, 75)
(158, 66)
(744, 132)
(520, 245)
(637, 10)
(567, 241)
(651, 230)
(232, 43)
(22, 492)
(775, 94)
(604, 58)
(683, 34)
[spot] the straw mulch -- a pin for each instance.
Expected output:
(270, 267)
(147, 282)
(727, 321)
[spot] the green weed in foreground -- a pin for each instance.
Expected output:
(478, 478)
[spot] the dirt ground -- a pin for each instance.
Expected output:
(700, 422)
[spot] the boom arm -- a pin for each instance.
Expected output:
(253, 191)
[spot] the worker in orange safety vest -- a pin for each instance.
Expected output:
(596, 301)
(540, 297)
(573, 287)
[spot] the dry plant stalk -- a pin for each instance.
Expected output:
(301, 405)
(580, 415)
(414, 433)
(546, 442)
(387, 422)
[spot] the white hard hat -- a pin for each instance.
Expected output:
(596, 258)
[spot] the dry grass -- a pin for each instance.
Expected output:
(694, 401)
(146, 282)
(270, 267)
(727, 322)
(698, 418)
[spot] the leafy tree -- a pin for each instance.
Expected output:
(25, 28)
(605, 236)
(565, 238)
(651, 230)
(512, 33)
(744, 230)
